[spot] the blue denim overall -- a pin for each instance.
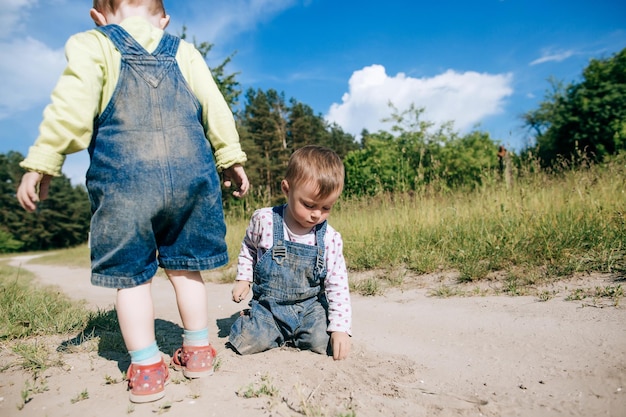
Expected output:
(289, 303)
(152, 181)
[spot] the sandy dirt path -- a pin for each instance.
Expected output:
(413, 355)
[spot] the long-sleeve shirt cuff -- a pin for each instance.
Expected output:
(229, 156)
(336, 328)
(42, 160)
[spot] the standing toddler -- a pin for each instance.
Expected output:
(144, 103)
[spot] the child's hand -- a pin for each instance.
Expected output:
(240, 290)
(33, 188)
(340, 342)
(237, 175)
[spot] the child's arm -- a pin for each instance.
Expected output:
(217, 117)
(252, 243)
(338, 296)
(33, 188)
(68, 121)
(336, 285)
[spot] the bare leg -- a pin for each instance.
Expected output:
(135, 312)
(191, 297)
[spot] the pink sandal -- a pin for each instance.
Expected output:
(146, 383)
(194, 361)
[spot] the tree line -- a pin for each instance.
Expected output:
(584, 119)
(61, 221)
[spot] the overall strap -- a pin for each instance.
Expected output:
(126, 44)
(168, 46)
(152, 67)
(279, 251)
(320, 232)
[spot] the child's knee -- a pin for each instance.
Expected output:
(249, 335)
(315, 339)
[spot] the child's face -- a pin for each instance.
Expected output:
(305, 209)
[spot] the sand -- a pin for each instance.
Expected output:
(413, 355)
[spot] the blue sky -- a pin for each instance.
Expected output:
(480, 64)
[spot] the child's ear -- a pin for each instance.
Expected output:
(164, 21)
(97, 17)
(284, 185)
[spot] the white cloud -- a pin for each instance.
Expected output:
(228, 18)
(33, 79)
(12, 14)
(552, 57)
(30, 83)
(464, 98)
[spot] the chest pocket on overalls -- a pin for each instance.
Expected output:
(299, 263)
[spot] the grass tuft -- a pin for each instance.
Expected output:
(27, 311)
(264, 388)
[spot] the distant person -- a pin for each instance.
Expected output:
(504, 166)
(144, 103)
(501, 160)
(293, 261)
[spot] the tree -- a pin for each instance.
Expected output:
(270, 131)
(264, 138)
(60, 221)
(373, 169)
(306, 128)
(418, 156)
(391, 162)
(586, 118)
(464, 160)
(9, 207)
(340, 141)
(539, 120)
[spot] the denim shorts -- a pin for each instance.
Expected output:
(133, 232)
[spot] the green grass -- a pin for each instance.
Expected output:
(27, 311)
(613, 293)
(542, 229)
(260, 389)
(31, 389)
(83, 395)
(545, 225)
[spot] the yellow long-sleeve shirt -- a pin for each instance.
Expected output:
(87, 84)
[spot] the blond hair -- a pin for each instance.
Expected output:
(319, 165)
(154, 6)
